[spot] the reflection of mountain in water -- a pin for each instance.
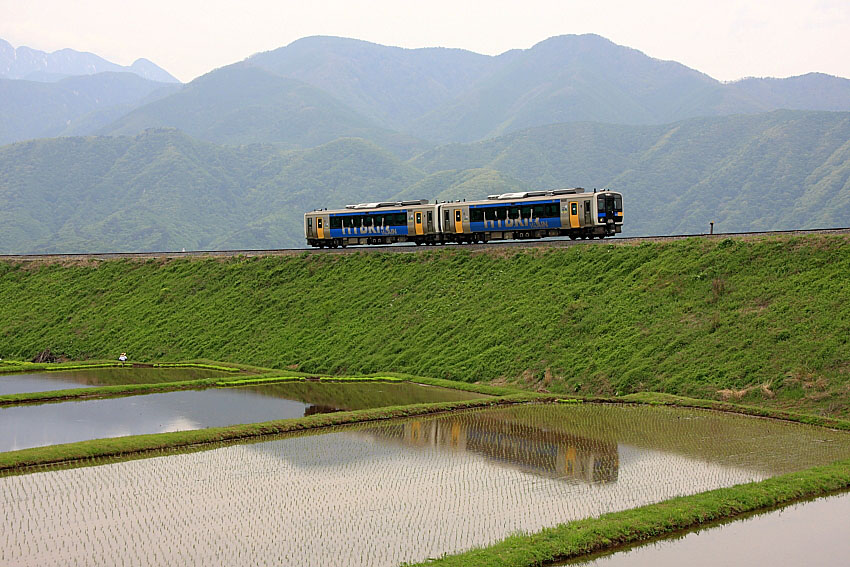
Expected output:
(532, 449)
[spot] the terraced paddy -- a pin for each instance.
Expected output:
(399, 491)
(27, 426)
(87, 378)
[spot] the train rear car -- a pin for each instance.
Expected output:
(373, 223)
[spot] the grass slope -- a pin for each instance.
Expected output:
(766, 320)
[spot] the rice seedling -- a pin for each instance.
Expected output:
(400, 491)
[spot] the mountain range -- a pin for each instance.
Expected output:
(451, 95)
(164, 190)
(233, 158)
(34, 65)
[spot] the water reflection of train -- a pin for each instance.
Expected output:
(531, 448)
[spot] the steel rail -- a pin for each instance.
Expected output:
(404, 248)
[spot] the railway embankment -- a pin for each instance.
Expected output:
(761, 321)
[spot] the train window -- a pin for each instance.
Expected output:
(586, 206)
(573, 208)
(476, 215)
(501, 214)
(310, 222)
(525, 212)
(457, 215)
(367, 220)
(539, 211)
(618, 203)
(513, 213)
(600, 204)
(319, 222)
(336, 222)
(551, 210)
(447, 217)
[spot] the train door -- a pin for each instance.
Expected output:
(310, 231)
(588, 218)
(458, 221)
(430, 226)
(574, 214)
(320, 227)
(417, 223)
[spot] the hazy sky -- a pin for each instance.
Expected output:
(727, 39)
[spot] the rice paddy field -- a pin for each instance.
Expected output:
(394, 492)
(28, 426)
(808, 533)
(43, 381)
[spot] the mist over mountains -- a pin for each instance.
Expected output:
(34, 65)
(233, 158)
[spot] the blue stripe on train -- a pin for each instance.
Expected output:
(369, 231)
(515, 224)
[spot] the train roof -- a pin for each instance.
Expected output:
(491, 199)
(371, 207)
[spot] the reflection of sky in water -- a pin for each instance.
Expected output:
(66, 422)
(49, 424)
(68, 379)
(381, 495)
(43, 382)
(808, 533)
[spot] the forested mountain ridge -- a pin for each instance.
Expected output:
(456, 95)
(32, 109)
(242, 104)
(444, 95)
(165, 190)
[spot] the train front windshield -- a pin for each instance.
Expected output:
(610, 206)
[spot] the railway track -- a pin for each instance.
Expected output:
(406, 248)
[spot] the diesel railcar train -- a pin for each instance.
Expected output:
(531, 214)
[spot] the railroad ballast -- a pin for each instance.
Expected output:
(530, 214)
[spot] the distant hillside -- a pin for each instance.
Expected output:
(165, 190)
(320, 88)
(455, 95)
(241, 104)
(389, 84)
(33, 109)
(34, 65)
(831, 93)
(780, 170)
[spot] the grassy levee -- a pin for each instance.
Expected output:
(582, 537)
(118, 390)
(759, 321)
(654, 398)
(15, 462)
(263, 377)
(21, 366)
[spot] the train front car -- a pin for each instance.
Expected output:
(372, 223)
(609, 213)
(533, 214)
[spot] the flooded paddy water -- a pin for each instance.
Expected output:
(400, 491)
(816, 532)
(27, 426)
(67, 379)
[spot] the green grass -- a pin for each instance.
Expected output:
(8, 367)
(263, 376)
(647, 522)
(690, 318)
